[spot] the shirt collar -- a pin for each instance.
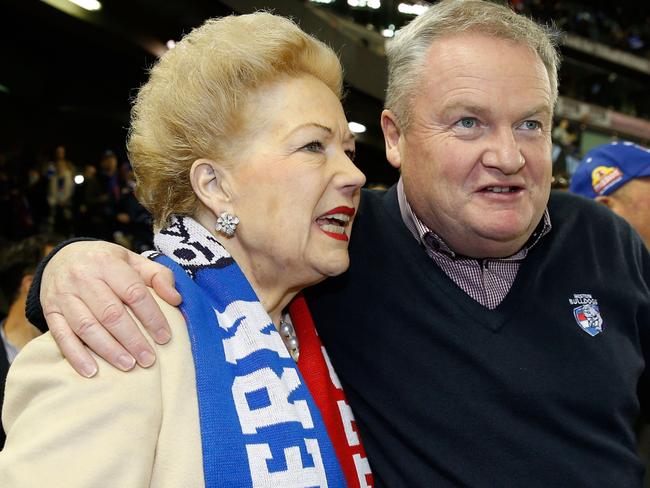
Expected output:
(433, 242)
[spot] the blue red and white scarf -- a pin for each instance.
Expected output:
(260, 425)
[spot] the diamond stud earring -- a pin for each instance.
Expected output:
(227, 224)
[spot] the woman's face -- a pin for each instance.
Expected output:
(294, 186)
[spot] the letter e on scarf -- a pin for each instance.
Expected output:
(295, 475)
(278, 409)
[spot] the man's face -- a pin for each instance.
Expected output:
(109, 164)
(476, 160)
(59, 152)
(632, 202)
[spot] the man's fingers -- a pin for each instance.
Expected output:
(70, 345)
(85, 325)
(104, 300)
(159, 277)
(128, 285)
(85, 284)
(163, 282)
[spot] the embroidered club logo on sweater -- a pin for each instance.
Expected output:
(587, 313)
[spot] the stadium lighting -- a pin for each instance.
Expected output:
(373, 4)
(79, 179)
(411, 9)
(90, 5)
(356, 127)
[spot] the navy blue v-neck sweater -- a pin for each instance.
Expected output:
(449, 393)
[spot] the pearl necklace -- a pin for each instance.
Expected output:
(288, 334)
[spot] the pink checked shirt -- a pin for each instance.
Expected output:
(485, 280)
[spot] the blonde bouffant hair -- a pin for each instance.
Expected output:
(191, 107)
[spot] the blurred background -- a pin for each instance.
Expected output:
(68, 70)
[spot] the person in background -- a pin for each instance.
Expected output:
(134, 224)
(60, 192)
(617, 175)
(563, 135)
(35, 192)
(253, 192)
(110, 193)
(89, 205)
(17, 264)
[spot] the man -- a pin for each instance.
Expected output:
(484, 334)
(618, 176)
(17, 264)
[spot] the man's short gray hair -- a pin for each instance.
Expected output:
(407, 51)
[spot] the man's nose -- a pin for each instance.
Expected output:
(503, 152)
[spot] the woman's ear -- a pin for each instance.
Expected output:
(209, 181)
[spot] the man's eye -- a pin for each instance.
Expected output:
(314, 146)
(531, 125)
(467, 123)
(351, 153)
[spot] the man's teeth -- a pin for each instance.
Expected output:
(501, 189)
(336, 229)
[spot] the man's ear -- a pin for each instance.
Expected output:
(209, 181)
(392, 137)
(608, 201)
(25, 283)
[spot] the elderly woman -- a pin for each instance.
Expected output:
(243, 155)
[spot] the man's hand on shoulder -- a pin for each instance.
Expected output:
(85, 290)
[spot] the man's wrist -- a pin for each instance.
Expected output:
(33, 308)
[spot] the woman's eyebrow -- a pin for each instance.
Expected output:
(313, 124)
